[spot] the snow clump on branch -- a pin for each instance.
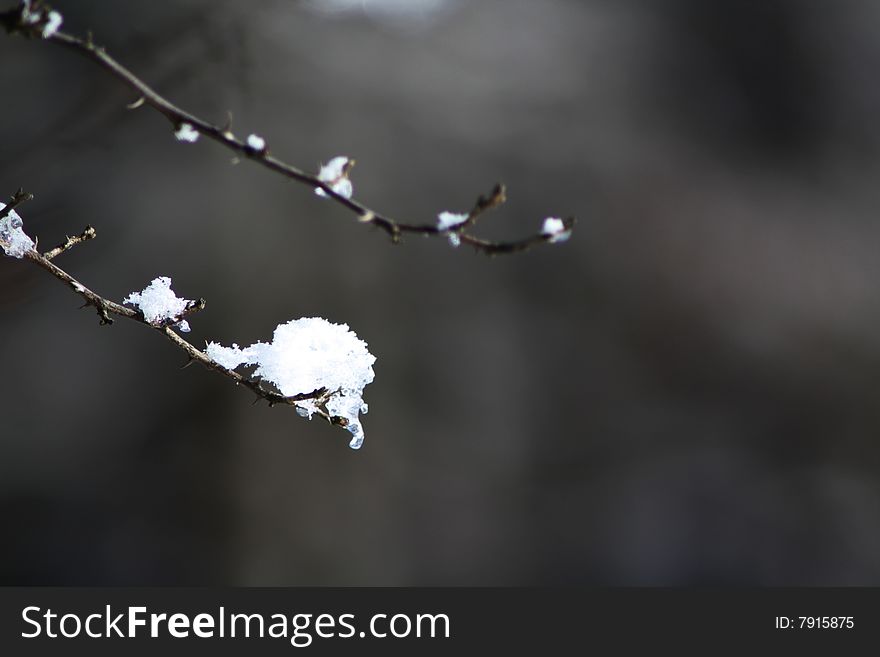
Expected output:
(159, 303)
(305, 355)
(256, 143)
(447, 221)
(13, 239)
(555, 230)
(335, 174)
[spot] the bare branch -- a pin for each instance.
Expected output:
(107, 309)
(14, 22)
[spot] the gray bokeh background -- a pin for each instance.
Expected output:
(685, 393)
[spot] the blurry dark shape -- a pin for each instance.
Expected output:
(746, 76)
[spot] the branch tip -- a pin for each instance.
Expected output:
(15, 200)
(71, 241)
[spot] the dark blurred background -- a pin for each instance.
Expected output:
(685, 393)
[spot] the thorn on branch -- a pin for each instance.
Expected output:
(104, 316)
(226, 130)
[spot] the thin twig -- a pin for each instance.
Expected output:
(14, 23)
(88, 234)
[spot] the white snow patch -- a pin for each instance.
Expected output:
(335, 174)
(52, 24)
(307, 354)
(256, 142)
(13, 240)
(158, 302)
(186, 133)
(555, 229)
(447, 220)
